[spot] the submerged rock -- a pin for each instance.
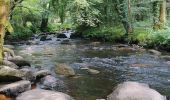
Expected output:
(93, 71)
(16, 88)
(51, 83)
(64, 69)
(39, 94)
(134, 91)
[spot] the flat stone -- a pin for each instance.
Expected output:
(39, 94)
(16, 88)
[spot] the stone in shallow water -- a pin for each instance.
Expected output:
(154, 52)
(51, 83)
(93, 71)
(64, 69)
(134, 91)
(16, 88)
(39, 94)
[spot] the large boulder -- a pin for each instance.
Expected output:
(134, 91)
(16, 88)
(51, 83)
(39, 94)
(64, 69)
(8, 74)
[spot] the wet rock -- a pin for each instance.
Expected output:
(33, 42)
(9, 46)
(19, 61)
(16, 88)
(65, 42)
(168, 62)
(10, 64)
(61, 35)
(126, 49)
(51, 83)
(166, 58)
(8, 74)
(41, 74)
(154, 52)
(95, 43)
(39, 94)
(93, 71)
(134, 91)
(64, 69)
(45, 38)
(28, 74)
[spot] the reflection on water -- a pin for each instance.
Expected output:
(115, 66)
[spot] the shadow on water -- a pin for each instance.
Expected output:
(115, 66)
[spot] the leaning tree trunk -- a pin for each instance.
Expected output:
(3, 20)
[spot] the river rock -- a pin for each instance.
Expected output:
(64, 69)
(65, 41)
(154, 52)
(39, 94)
(93, 71)
(19, 61)
(9, 46)
(16, 88)
(41, 74)
(134, 91)
(45, 38)
(28, 74)
(8, 74)
(61, 35)
(51, 83)
(167, 58)
(10, 64)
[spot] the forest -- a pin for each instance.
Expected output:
(84, 49)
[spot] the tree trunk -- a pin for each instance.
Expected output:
(162, 17)
(44, 24)
(124, 13)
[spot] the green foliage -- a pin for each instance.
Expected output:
(104, 33)
(161, 37)
(20, 33)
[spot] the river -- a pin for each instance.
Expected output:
(116, 63)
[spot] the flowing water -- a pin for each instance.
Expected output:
(115, 66)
